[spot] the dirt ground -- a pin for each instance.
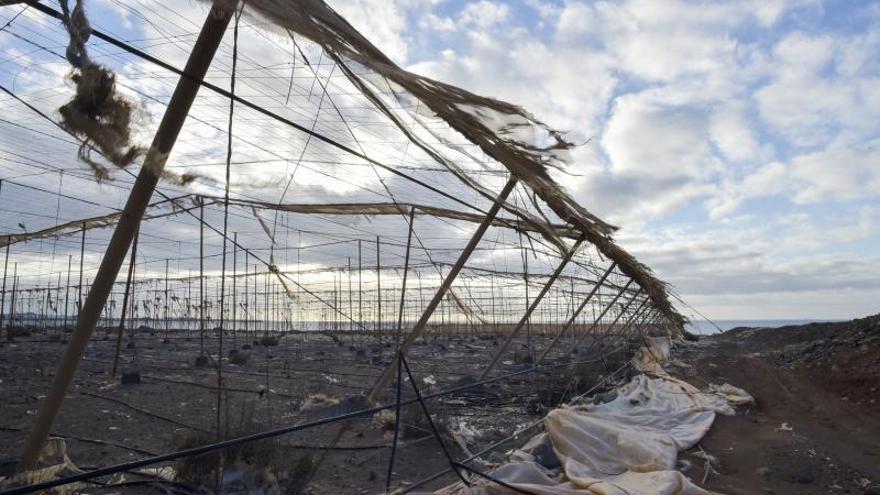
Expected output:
(105, 422)
(816, 426)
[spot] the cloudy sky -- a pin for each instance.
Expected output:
(736, 143)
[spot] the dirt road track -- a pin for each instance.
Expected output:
(813, 430)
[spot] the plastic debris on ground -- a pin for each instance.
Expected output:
(627, 443)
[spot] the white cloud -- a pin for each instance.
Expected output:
(646, 138)
(381, 21)
(731, 131)
(838, 174)
(770, 179)
(483, 14)
(821, 88)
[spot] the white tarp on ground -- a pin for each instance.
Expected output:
(623, 447)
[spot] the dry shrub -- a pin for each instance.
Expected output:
(265, 466)
(523, 356)
(12, 332)
(238, 358)
(413, 423)
(316, 401)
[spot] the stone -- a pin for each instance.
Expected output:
(804, 478)
(131, 377)
(545, 456)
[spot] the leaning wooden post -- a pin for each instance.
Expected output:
(125, 295)
(3, 296)
(626, 308)
(576, 313)
(234, 295)
(610, 330)
(636, 316)
(419, 327)
(360, 290)
(378, 292)
(412, 215)
(154, 164)
(201, 277)
(599, 318)
(82, 254)
(67, 289)
(534, 305)
(12, 299)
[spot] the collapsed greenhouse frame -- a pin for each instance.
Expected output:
(581, 285)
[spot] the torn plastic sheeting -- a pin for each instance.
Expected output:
(52, 463)
(625, 446)
(734, 396)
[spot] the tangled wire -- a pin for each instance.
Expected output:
(97, 113)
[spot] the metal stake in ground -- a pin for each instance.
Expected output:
(67, 290)
(609, 332)
(378, 293)
(396, 427)
(154, 163)
(443, 289)
(234, 295)
(3, 295)
(82, 253)
(12, 301)
(577, 313)
(131, 262)
(599, 318)
(412, 381)
(412, 215)
(525, 318)
(201, 278)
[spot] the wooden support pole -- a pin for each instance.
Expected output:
(577, 312)
(610, 330)
(601, 315)
(165, 303)
(154, 164)
(412, 217)
(234, 294)
(201, 277)
(67, 289)
(378, 291)
(419, 327)
(626, 308)
(125, 296)
(350, 302)
(636, 315)
(3, 296)
(12, 301)
(534, 304)
(82, 254)
(648, 321)
(525, 259)
(247, 306)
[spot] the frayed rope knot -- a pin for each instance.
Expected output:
(97, 113)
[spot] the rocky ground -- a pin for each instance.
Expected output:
(105, 421)
(816, 426)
